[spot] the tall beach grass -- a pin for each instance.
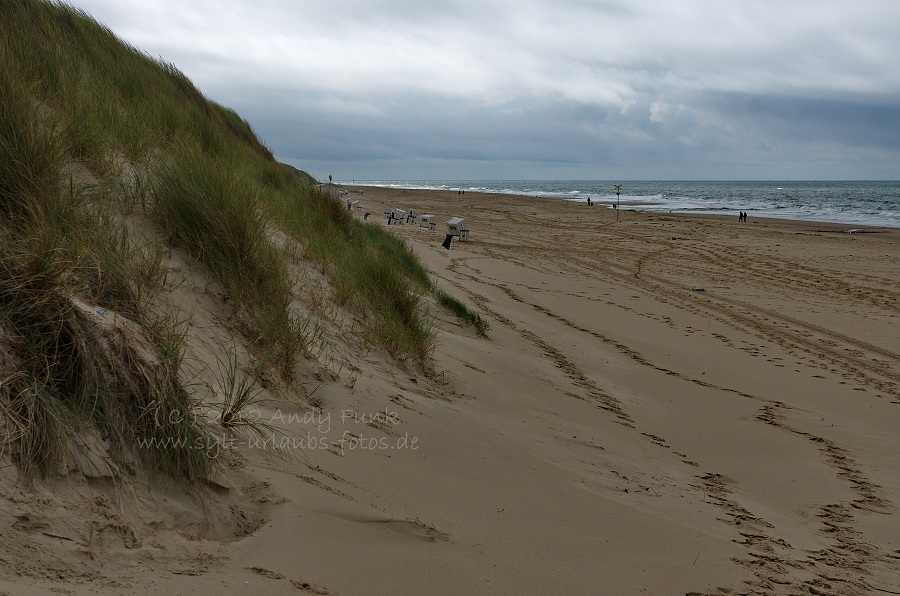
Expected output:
(93, 131)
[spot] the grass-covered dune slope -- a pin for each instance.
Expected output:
(110, 163)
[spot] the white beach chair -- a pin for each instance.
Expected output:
(427, 222)
(456, 226)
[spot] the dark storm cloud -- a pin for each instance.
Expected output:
(539, 89)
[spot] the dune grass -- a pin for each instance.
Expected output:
(462, 311)
(93, 131)
(69, 370)
(371, 270)
(210, 205)
(63, 371)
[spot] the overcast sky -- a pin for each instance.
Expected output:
(544, 89)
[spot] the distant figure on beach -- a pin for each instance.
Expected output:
(742, 217)
(589, 201)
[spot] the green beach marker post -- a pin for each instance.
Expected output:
(618, 190)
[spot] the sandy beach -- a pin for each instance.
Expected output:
(664, 405)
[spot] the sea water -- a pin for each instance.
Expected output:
(870, 203)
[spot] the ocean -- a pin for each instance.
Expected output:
(869, 203)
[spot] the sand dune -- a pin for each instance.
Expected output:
(665, 405)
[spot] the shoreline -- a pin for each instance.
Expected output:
(798, 225)
(636, 205)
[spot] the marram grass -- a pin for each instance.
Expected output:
(94, 132)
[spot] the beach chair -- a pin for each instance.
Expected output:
(456, 226)
(427, 222)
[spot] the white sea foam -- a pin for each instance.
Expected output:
(856, 203)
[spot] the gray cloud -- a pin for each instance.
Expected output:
(539, 89)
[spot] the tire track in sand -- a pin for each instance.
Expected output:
(843, 565)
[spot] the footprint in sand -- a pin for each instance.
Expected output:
(303, 586)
